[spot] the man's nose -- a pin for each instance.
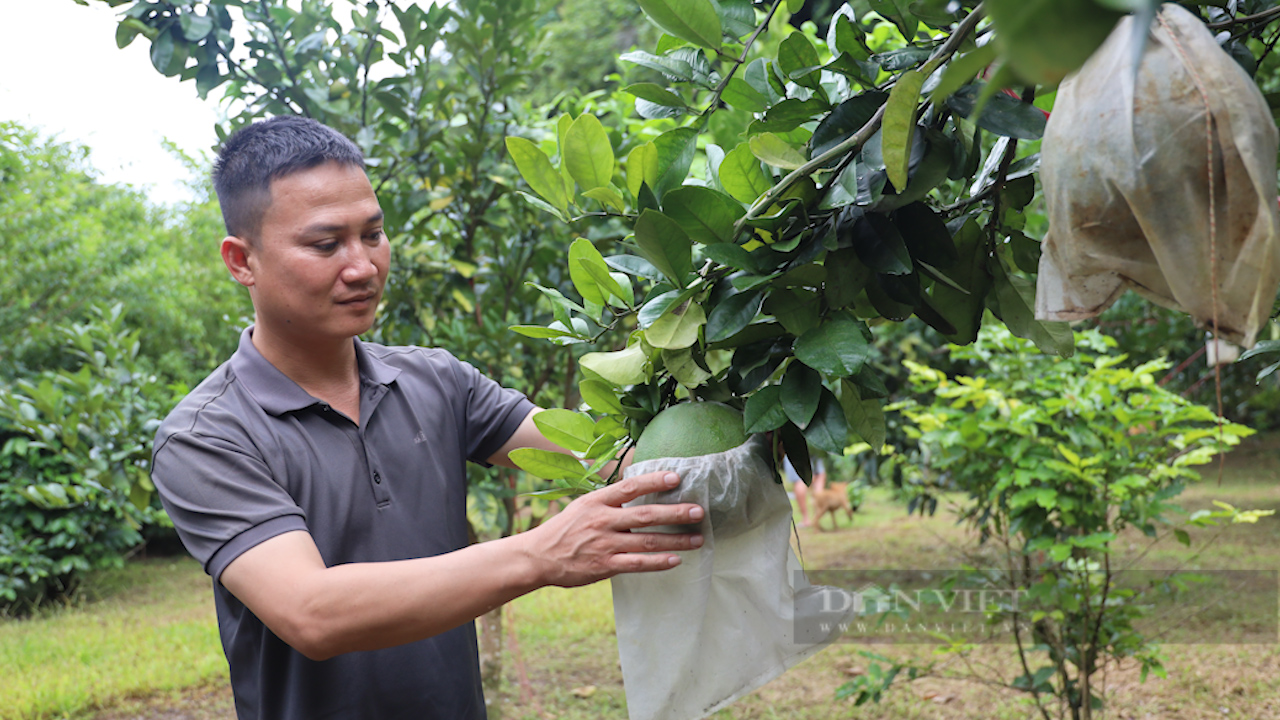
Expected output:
(360, 266)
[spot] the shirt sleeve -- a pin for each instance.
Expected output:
(490, 413)
(222, 498)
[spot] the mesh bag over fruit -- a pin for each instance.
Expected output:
(1150, 175)
(737, 612)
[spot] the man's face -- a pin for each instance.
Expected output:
(321, 257)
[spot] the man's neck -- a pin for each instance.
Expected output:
(325, 368)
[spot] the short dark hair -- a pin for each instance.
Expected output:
(263, 151)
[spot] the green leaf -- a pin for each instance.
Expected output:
(899, 126)
(846, 119)
(587, 153)
(797, 309)
(162, 52)
(580, 252)
(741, 96)
(608, 197)
(732, 315)
(763, 410)
(742, 176)
(706, 215)
(623, 367)
(684, 368)
(195, 27)
(664, 243)
(599, 396)
(964, 308)
(677, 330)
(675, 150)
(542, 333)
(925, 235)
(546, 464)
(1016, 298)
(772, 150)
(535, 167)
(692, 20)
(797, 57)
(866, 417)
(901, 59)
(566, 428)
(961, 70)
(828, 429)
(1001, 114)
(1266, 347)
(788, 115)
(656, 94)
(880, 246)
(730, 255)
(801, 390)
(836, 348)
(642, 167)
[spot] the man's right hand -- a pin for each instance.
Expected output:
(592, 538)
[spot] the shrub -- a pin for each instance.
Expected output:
(74, 460)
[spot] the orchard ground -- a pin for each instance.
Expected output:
(141, 643)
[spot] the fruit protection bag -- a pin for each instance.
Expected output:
(1127, 175)
(737, 612)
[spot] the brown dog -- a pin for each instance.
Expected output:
(829, 500)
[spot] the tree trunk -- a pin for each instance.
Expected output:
(491, 634)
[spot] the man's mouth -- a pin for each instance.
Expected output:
(357, 299)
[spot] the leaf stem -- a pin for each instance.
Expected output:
(1257, 18)
(737, 62)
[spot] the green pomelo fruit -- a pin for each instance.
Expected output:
(1044, 40)
(691, 429)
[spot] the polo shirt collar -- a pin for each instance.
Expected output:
(277, 393)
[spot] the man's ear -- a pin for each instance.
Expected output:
(235, 254)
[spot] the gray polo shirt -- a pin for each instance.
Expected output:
(249, 455)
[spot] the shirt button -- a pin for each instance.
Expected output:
(377, 479)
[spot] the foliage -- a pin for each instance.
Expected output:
(74, 242)
(1055, 459)
(782, 203)
(75, 457)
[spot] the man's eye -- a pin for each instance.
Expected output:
(376, 235)
(329, 246)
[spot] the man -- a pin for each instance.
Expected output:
(321, 480)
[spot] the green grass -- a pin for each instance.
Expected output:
(146, 629)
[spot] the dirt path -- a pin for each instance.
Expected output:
(212, 702)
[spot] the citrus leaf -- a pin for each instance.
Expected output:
(677, 330)
(732, 315)
(642, 167)
(535, 167)
(588, 153)
(741, 96)
(599, 397)
(546, 464)
(899, 126)
(684, 368)
(579, 251)
(775, 151)
(801, 390)
(675, 150)
(655, 94)
(828, 429)
(664, 243)
(846, 119)
(742, 176)
(763, 410)
(836, 348)
(706, 215)
(607, 196)
(692, 20)
(566, 428)
(623, 367)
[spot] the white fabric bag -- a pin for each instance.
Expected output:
(1125, 166)
(695, 638)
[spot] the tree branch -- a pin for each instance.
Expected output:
(858, 139)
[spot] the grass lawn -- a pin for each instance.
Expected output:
(142, 643)
(143, 631)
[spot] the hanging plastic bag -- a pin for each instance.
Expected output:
(1131, 190)
(737, 612)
